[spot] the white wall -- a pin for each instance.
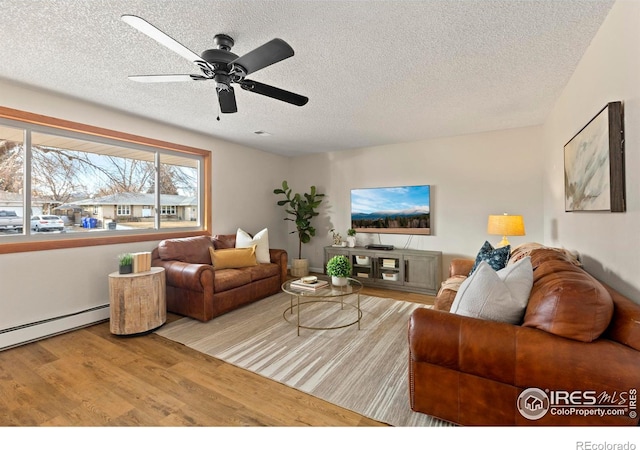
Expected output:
(243, 184)
(471, 177)
(38, 286)
(609, 71)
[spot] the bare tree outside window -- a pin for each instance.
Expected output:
(92, 184)
(11, 181)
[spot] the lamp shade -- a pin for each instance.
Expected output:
(505, 225)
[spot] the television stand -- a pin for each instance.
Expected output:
(401, 269)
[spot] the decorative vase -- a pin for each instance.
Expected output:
(339, 281)
(351, 241)
(299, 267)
(125, 269)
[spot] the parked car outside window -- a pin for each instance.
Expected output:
(47, 223)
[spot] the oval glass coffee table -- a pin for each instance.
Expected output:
(302, 298)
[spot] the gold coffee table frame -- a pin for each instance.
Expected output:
(329, 294)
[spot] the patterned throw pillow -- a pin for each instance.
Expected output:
(497, 258)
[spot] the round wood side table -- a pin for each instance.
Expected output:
(137, 301)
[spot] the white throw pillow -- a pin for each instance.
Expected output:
(500, 296)
(260, 240)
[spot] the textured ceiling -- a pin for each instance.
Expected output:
(376, 72)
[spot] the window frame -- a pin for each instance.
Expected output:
(51, 124)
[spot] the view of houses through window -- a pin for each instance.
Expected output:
(92, 184)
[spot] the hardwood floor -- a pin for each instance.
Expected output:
(90, 377)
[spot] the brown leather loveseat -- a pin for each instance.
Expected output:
(196, 289)
(574, 359)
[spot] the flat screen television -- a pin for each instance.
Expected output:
(396, 210)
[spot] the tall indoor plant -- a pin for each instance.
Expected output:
(300, 208)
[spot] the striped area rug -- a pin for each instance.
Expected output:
(361, 370)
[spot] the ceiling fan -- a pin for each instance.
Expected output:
(222, 66)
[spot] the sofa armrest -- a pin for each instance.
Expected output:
(426, 326)
(474, 346)
(460, 266)
(279, 256)
(194, 277)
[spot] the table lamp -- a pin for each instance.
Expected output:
(505, 225)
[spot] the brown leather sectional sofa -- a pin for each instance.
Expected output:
(575, 359)
(196, 289)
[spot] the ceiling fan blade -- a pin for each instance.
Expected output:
(159, 36)
(165, 78)
(227, 100)
(270, 53)
(274, 92)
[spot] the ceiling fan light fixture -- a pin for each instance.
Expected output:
(222, 66)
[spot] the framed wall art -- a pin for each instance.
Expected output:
(594, 178)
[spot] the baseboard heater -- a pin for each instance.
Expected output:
(41, 329)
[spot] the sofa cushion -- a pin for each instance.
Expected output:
(262, 271)
(567, 301)
(193, 250)
(224, 241)
(227, 279)
(233, 258)
(260, 240)
(496, 257)
(500, 296)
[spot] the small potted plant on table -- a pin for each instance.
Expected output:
(339, 268)
(351, 237)
(125, 262)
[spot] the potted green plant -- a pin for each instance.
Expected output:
(300, 208)
(125, 263)
(339, 268)
(351, 237)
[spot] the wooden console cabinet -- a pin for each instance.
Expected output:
(402, 269)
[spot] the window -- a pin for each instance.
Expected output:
(123, 210)
(126, 187)
(168, 210)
